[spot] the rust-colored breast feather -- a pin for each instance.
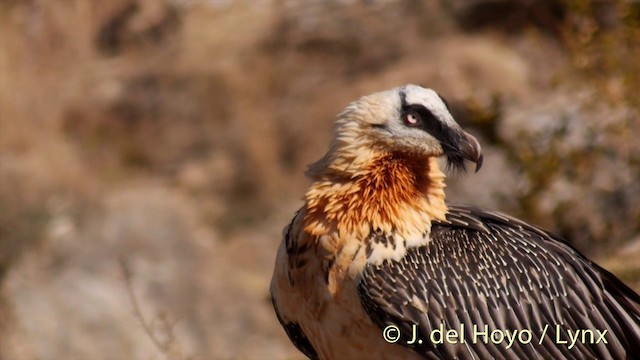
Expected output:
(391, 184)
(314, 288)
(323, 321)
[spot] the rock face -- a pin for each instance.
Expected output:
(580, 164)
(565, 160)
(152, 151)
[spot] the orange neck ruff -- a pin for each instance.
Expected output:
(395, 193)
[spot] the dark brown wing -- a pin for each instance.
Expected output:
(486, 269)
(293, 329)
(296, 335)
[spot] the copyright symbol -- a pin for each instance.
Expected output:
(391, 334)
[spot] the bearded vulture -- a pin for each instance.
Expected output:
(376, 265)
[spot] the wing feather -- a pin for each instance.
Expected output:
(490, 270)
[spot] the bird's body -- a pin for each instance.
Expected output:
(376, 249)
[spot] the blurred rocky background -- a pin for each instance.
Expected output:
(152, 150)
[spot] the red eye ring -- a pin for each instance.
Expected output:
(411, 118)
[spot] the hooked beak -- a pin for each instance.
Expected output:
(471, 150)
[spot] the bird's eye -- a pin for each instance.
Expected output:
(411, 118)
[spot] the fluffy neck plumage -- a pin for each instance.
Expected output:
(374, 191)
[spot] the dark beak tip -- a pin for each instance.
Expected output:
(479, 162)
(472, 150)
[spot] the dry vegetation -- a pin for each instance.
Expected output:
(168, 138)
